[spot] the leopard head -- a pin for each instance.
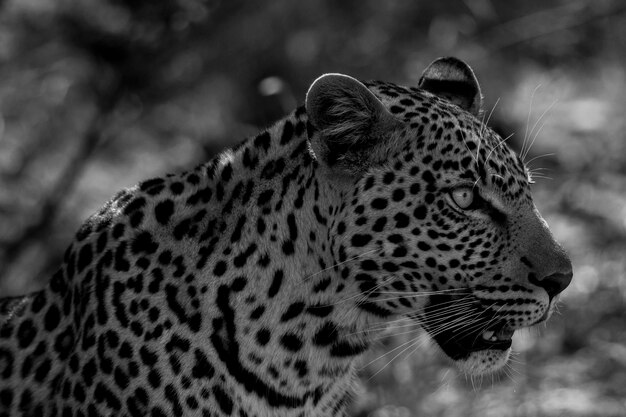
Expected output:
(437, 221)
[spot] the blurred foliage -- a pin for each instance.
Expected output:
(97, 95)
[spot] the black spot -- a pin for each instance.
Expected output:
(193, 179)
(379, 225)
(89, 371)
(423, 246)
(379, 203)
(389, 177)
(120, 378)
(220, 268)
(287, 134)
(262, 141)
(147, 357)
(163, 211)
(369, 265)
(263, 337)
(144, 243)
(240, 260)
(265, 197)
(288, 248)
(293, 228)
(136, 204)
(360, 240)
(26, 333)
(177, 188)
(223, 400)
(318, 216)
(420, 212)
(227, 172)
(165, 257)
(301, 367)
(136, 218)
(102, 241)
(398, 194)
(402, 220)
(390, 267)
(238, 228)
(374, 309)
(276, 283)
(264, 260)
(202, 367)
(171, 395)
(428, 176)
(52, 318)
(291, 342)
(260, 226)
(369, 183)
(293, 311)
(181, 229)
(39, 302)
(325, 335)
(257, 313)
(150, 183)
(154, 378)
(249, 161)
(320, 310)
(64, 343)
(6, 397)
(85, 256)
(118, 230)
(103, 394)
(345, 349)
(238, 284)
(177, 343)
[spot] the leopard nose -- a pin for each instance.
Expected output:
(554, 284)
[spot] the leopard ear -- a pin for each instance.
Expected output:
(452, 79)
(349, 122)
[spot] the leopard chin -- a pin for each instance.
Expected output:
(484, 361)
(478, 352)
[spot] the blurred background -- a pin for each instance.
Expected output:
(98, 95)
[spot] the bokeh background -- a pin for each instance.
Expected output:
(96, 95)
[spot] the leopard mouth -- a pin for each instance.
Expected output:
(461, 325)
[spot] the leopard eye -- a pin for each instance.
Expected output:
(463, 197)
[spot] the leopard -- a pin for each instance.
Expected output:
(252, 284)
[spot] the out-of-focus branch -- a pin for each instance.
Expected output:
(65, 183)
(545, 22)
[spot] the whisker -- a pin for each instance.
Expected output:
(425, 292)
(383, 336)
(341, 263)
(534, 126)
(491, 112)
(413, 343)
(530, 107)
(387, 353)
(538, 157)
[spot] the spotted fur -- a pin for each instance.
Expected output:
(249, 285)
